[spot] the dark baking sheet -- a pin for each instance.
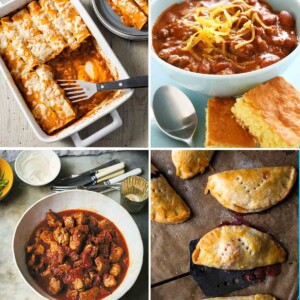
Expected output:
(170, 252)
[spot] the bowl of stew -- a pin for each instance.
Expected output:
(78, 245)
(224, 48)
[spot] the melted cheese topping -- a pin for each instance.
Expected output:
(35, 39)
(220, 23)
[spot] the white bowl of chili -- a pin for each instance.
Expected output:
(90, 202)
(168, 45)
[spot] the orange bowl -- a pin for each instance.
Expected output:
(8, 174)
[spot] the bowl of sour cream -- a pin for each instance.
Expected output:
(37, 167)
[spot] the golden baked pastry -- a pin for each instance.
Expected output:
(254, 297)
(271, 112)
(251, 190)
(222, 130)
(166, 205)
(237, 247)
(188, 163)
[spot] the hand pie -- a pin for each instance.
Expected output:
(237, 247)
(254, 297)
(166, 205)
(188, 163)
(251, 190)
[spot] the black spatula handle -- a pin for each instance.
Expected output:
(170, 279)
(130, 83)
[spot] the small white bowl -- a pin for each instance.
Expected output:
(226, 85)
(85, 200)
(50, 171)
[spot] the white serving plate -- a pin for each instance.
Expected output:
(88, 201)
(72, 130)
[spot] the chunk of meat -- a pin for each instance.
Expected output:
(102, 265)
(69, 221)
(115, 269)
(104, 224)
(30, 249)
(104, 237)
(79, 284)
(91, 294)
(72, 294)
(74, 256)
(61, 235)
(55, 286)
(39, 249)
(76, 240)
(83, 228)
(53, 219)
(116, 253)
(61, 270)
(54, 247)
(56, 254)
(47, 272)
(93, 224)
(88, 282)
(91, 250)
(109, 280)
(32, 260)
(46, 236)
(36, 249)
(80, 218)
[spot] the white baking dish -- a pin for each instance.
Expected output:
(73, 129)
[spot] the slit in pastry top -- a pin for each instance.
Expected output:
(252, 190)
(237, 247)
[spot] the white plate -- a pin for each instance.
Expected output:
(88, 201)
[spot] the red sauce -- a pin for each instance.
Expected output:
(260, 274)
(71, 64)
(86, 264)
(271, 43)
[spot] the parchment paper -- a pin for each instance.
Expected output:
(170, 256)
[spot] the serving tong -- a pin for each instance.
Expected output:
(78, 90)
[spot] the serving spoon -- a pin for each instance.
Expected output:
(175, 114)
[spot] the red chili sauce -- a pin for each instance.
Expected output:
(77, 255)
(258, 36)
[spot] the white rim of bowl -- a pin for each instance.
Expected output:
(139, 240)
(28, 182)
(216, 76)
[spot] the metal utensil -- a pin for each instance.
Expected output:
(111, 183)
(70, 180)
(78, 90)
(175, 113)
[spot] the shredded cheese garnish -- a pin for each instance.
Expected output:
(227, 21)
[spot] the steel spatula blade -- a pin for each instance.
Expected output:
(216, 282)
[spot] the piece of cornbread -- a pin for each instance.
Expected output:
(271, 113)
(222, 130)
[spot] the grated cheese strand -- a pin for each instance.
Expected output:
(221, 23)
